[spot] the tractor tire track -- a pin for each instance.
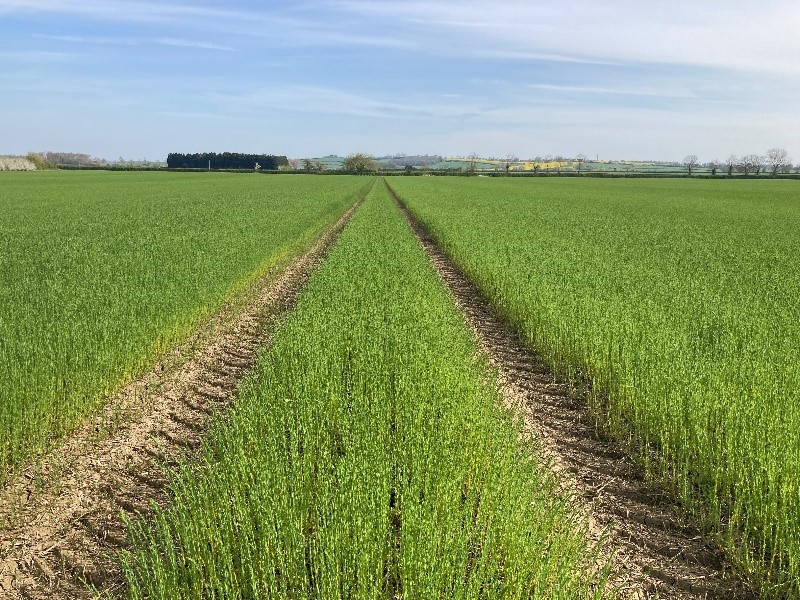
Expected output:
(655, 550)
(61, 520)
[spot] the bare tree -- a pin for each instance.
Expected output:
(731, 162)
(745, 163)
(359, 163)
(776, 158)
(580, 159)
(758, 163)
(690, 161)
(319, 166)
(752, 162)
(714, 165)
(308, 165)
(472, 163)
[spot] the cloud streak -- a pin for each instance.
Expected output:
(310, 99)
(576, 89)
(130, 41)
(25, 56)
(192, 44)
(119, 10)
(731, 35)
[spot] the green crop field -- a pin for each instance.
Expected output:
(367, 454)
(366, 457)
(102, 272)
(679, 301)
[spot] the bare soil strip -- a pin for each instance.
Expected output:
(61, 518)
(656, 551)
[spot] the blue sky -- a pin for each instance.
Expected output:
(618, 79)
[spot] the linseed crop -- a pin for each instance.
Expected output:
(680, 302)
(102, 272)
(366, 457)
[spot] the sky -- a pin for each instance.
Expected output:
(618, 79)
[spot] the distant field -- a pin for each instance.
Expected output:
(102, 272)
(565, 166)
(679, 300)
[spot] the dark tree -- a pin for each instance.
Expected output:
(226, 160)
(731, 161)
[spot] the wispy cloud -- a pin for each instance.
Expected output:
(309, 99)
(519, 55)
(196, 116)
(273, 28)
(131, 41)
(25, 56)
(119, 10)
(730, 35)
(683, 32)
(78, 39)
(192, 44)
(575, 89)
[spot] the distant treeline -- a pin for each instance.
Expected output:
(70, 158)
(226, 160)
(400, 161)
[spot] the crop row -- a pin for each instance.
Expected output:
(101, 273)
(679, 301)
(367, 456)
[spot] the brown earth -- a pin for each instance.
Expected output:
(655, 550)
(61, 522)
